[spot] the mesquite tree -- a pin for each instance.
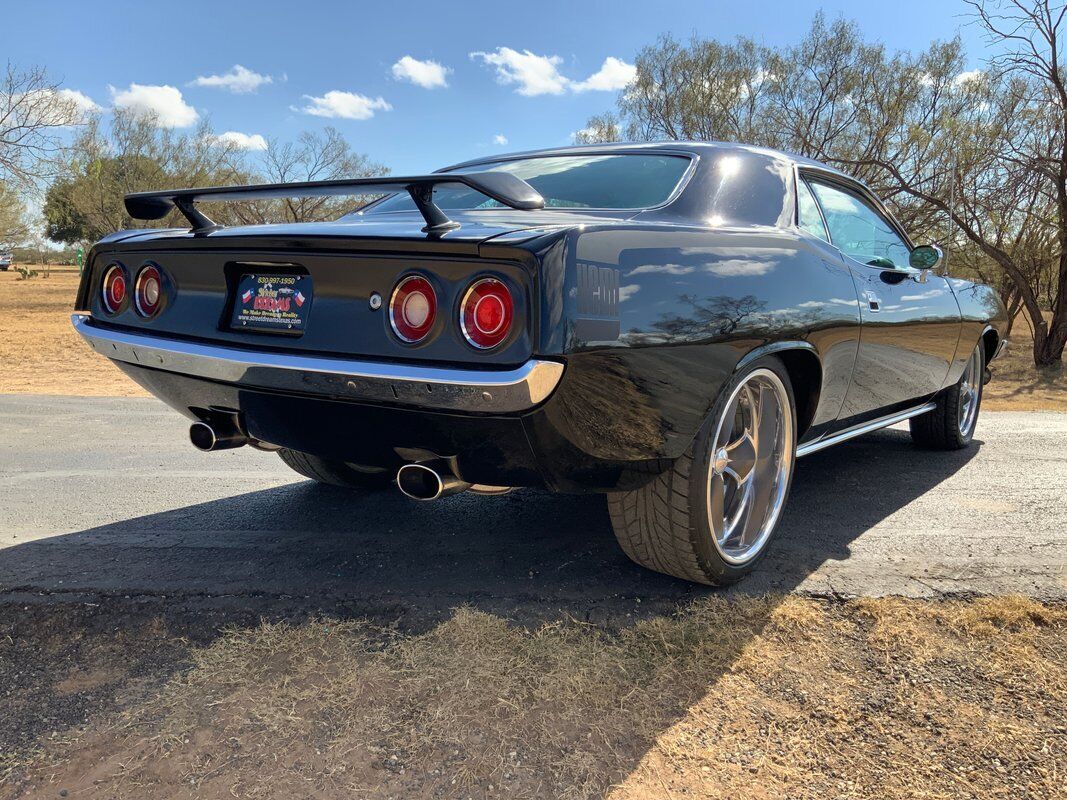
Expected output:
(973, 158)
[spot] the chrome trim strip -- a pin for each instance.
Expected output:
(859, 430)
(484, 391)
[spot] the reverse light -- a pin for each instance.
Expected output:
(113, 290)
(413, 308)
(148, 291)
(486, 313)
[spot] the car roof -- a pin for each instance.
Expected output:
(670, 146)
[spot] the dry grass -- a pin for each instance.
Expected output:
(762, 698)
(39, 349)
(1018, 385)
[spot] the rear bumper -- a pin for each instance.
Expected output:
(463, 390)
(576, 433)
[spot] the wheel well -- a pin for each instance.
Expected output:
(805, 374)
(990, 339)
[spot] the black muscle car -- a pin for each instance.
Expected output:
(673, 324)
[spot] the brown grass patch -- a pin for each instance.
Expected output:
(39, 349)
(763, 698)
(1018, 385)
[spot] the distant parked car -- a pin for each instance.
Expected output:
(5, 260)
(673, 324)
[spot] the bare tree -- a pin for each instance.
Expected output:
(989, 151)
(974, 158)
(313, 157)
(13, 228)
(599, 129)
(33, 111)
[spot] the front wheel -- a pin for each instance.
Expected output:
(950, 426)
(710, 517)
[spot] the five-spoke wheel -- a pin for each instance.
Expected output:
(709, 518)
(751, 462)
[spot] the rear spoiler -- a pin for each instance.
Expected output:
(500, 186)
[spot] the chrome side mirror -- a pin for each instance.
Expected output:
(926, 257)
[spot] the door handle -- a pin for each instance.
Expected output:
(874, 303)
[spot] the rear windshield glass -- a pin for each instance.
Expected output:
(604, 181)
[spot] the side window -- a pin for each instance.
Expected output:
(808, 216)
(858, 230)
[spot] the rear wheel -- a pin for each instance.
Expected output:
(709, 518)
(950, 426)
(336, 473)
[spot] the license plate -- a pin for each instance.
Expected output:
(279, 303)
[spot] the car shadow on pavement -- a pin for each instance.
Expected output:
(146, 590)
(532, 556)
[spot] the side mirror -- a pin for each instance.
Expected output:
(926, 256)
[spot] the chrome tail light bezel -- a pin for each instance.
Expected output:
(507, 323)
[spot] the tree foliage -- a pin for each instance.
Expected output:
(974, 158)
(135, 154)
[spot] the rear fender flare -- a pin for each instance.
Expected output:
(804, 366)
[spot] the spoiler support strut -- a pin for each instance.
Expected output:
(503, 187)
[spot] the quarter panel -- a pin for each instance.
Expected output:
(652, 338)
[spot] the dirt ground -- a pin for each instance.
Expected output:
(39, 349)
(777, 697)
(42, 354)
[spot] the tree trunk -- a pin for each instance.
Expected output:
(1049, 340)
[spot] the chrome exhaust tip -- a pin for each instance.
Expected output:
(429, 480)
(209, 438)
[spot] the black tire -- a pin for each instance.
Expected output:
(940, 428)
(336, 473)
(665, 524)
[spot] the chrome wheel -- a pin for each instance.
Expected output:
(751, 461)
(970, 388)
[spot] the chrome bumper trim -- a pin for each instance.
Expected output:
(859, 430)
(483, 391)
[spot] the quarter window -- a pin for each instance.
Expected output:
(808, 216)
(859, 231)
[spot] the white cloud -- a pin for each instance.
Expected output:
(239, 80)
(500, 139)
(666, 269)
(165, 103)
(58, 107)
(427, 74)
(242, 141)
(343, 105)
(973, 75)
(614, 74)
(81, 103)
(628, 291)
(537, 75)
(533, 73)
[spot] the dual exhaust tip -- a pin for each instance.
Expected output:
(429, 480)
(422, 480)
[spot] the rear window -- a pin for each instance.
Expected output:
(615, 181)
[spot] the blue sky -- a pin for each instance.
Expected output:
(332, 63)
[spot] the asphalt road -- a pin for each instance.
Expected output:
(106, 496)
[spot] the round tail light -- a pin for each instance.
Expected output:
(486, 313)
(148, 291)
(113, 292)
(413, 308)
